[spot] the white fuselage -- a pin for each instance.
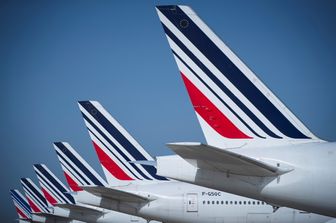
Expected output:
(181, 202)
(310, 186)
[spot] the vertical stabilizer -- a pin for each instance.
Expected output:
(76, 170)
(233, 106)
(117, 150)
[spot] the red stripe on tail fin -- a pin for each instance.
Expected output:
(72, 184)
(20, 213)
(110, 165)
(33, 206)
(211, 114)
(49, 198)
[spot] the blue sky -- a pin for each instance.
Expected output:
(54, 53)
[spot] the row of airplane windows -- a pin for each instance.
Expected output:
(236, 202)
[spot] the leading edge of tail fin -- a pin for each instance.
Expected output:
(21, 205)
(76, 170)
(117, 150)
(53, 189)
(36, 200)
(229, 100)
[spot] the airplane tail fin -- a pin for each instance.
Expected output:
(36, 200)
(53, 189)
(76, 170)
(21, 205)
(117, 150)
(232, 104)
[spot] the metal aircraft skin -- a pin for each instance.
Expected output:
(59, 197)
(54, 203)
(38, 206)
(134, 188)
(256, 147)
(21, 206)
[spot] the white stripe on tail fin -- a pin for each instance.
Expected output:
(53, 189)
(232, 105)
(21, 205)
(36, 200)
(76, 170)
(117, 150)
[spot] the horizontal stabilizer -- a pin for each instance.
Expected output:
(114, 194)
(215, 159)
(79, 208)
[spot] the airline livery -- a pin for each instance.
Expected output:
(255, 146)
(22, 207)
(40, 210)
(260, 163)
(132, 188)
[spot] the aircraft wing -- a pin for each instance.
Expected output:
(80, 208)
(114, 194)
(212, 158)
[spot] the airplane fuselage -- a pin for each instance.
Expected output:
(310, 186)
(180, 202)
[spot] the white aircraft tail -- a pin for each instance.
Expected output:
(36, 200)
(76, 170)
(232, 104)
(53, 189)
(117, 150)
(21, 205)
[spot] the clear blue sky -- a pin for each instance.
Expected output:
(54, 53)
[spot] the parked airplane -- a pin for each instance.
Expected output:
(22, 207)
(134, 187)
(39, 207)
(58, 196)
(256, 146)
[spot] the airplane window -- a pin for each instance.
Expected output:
(208, 202)
(253, 202)
(203, 202)
(217, 202)
(230, 202)
(222, 202)
(240, 202)
(235, 202)
(226, 202)
(213, 202)
(249, 202)
(258, 202)
(244, 202)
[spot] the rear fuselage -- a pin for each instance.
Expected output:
(180, 202)
(310, 186)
